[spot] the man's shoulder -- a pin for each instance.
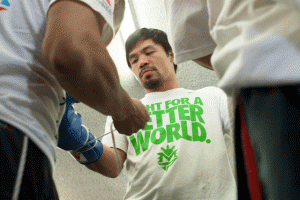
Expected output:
(210, 89)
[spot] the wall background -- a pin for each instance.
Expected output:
(76, 182)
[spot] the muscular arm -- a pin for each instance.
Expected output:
(80, 61)
(107, 164)
(205, 62)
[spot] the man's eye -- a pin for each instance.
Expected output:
(134, 61)
(148, 53)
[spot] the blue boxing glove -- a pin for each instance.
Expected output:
(75, 137)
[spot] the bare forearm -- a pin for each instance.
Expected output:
(80, 61)
(205, 62)
(107, 165)
(91, 77)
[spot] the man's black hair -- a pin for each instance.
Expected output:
(158, 37)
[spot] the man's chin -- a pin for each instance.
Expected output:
(152, 83)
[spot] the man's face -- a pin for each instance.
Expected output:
(150, 64)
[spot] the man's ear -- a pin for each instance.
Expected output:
(171, 54)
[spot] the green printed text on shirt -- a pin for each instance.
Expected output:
(172, 120)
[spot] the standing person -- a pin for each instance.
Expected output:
(254, 48)
(181, 153)
(46, 48)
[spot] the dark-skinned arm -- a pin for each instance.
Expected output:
(205, 62)
(81, 63)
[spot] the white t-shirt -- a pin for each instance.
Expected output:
(254, 43)
(181, 153)
(31, 99)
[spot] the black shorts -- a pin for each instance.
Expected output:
(270, 116)
(25, 172)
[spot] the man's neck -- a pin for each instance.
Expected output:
(164, 87)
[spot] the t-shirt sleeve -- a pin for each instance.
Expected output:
(224, 111)
(188, 29)
(104, 7)
(227, 127)
(120, 139)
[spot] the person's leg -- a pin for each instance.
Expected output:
(37, 181)
(249, 186)
(25, 170)
(11, 144)
(242, 181)
(272, 116)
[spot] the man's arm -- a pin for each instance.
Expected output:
(81, 63)
(107, 165)
(78, 57)
(205, 62)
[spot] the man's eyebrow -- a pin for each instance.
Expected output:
(131, 56)
(144, 49)
(148, 47)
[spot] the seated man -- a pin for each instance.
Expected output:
(181, 153)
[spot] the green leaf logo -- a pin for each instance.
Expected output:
(167, 157)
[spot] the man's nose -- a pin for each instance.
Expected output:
(144, 62)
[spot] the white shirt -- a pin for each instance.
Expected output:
(31, 99)
(181, 153)
(254, 43)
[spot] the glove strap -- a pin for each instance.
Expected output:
(89, 152)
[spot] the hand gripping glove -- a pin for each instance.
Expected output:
(74, 136)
